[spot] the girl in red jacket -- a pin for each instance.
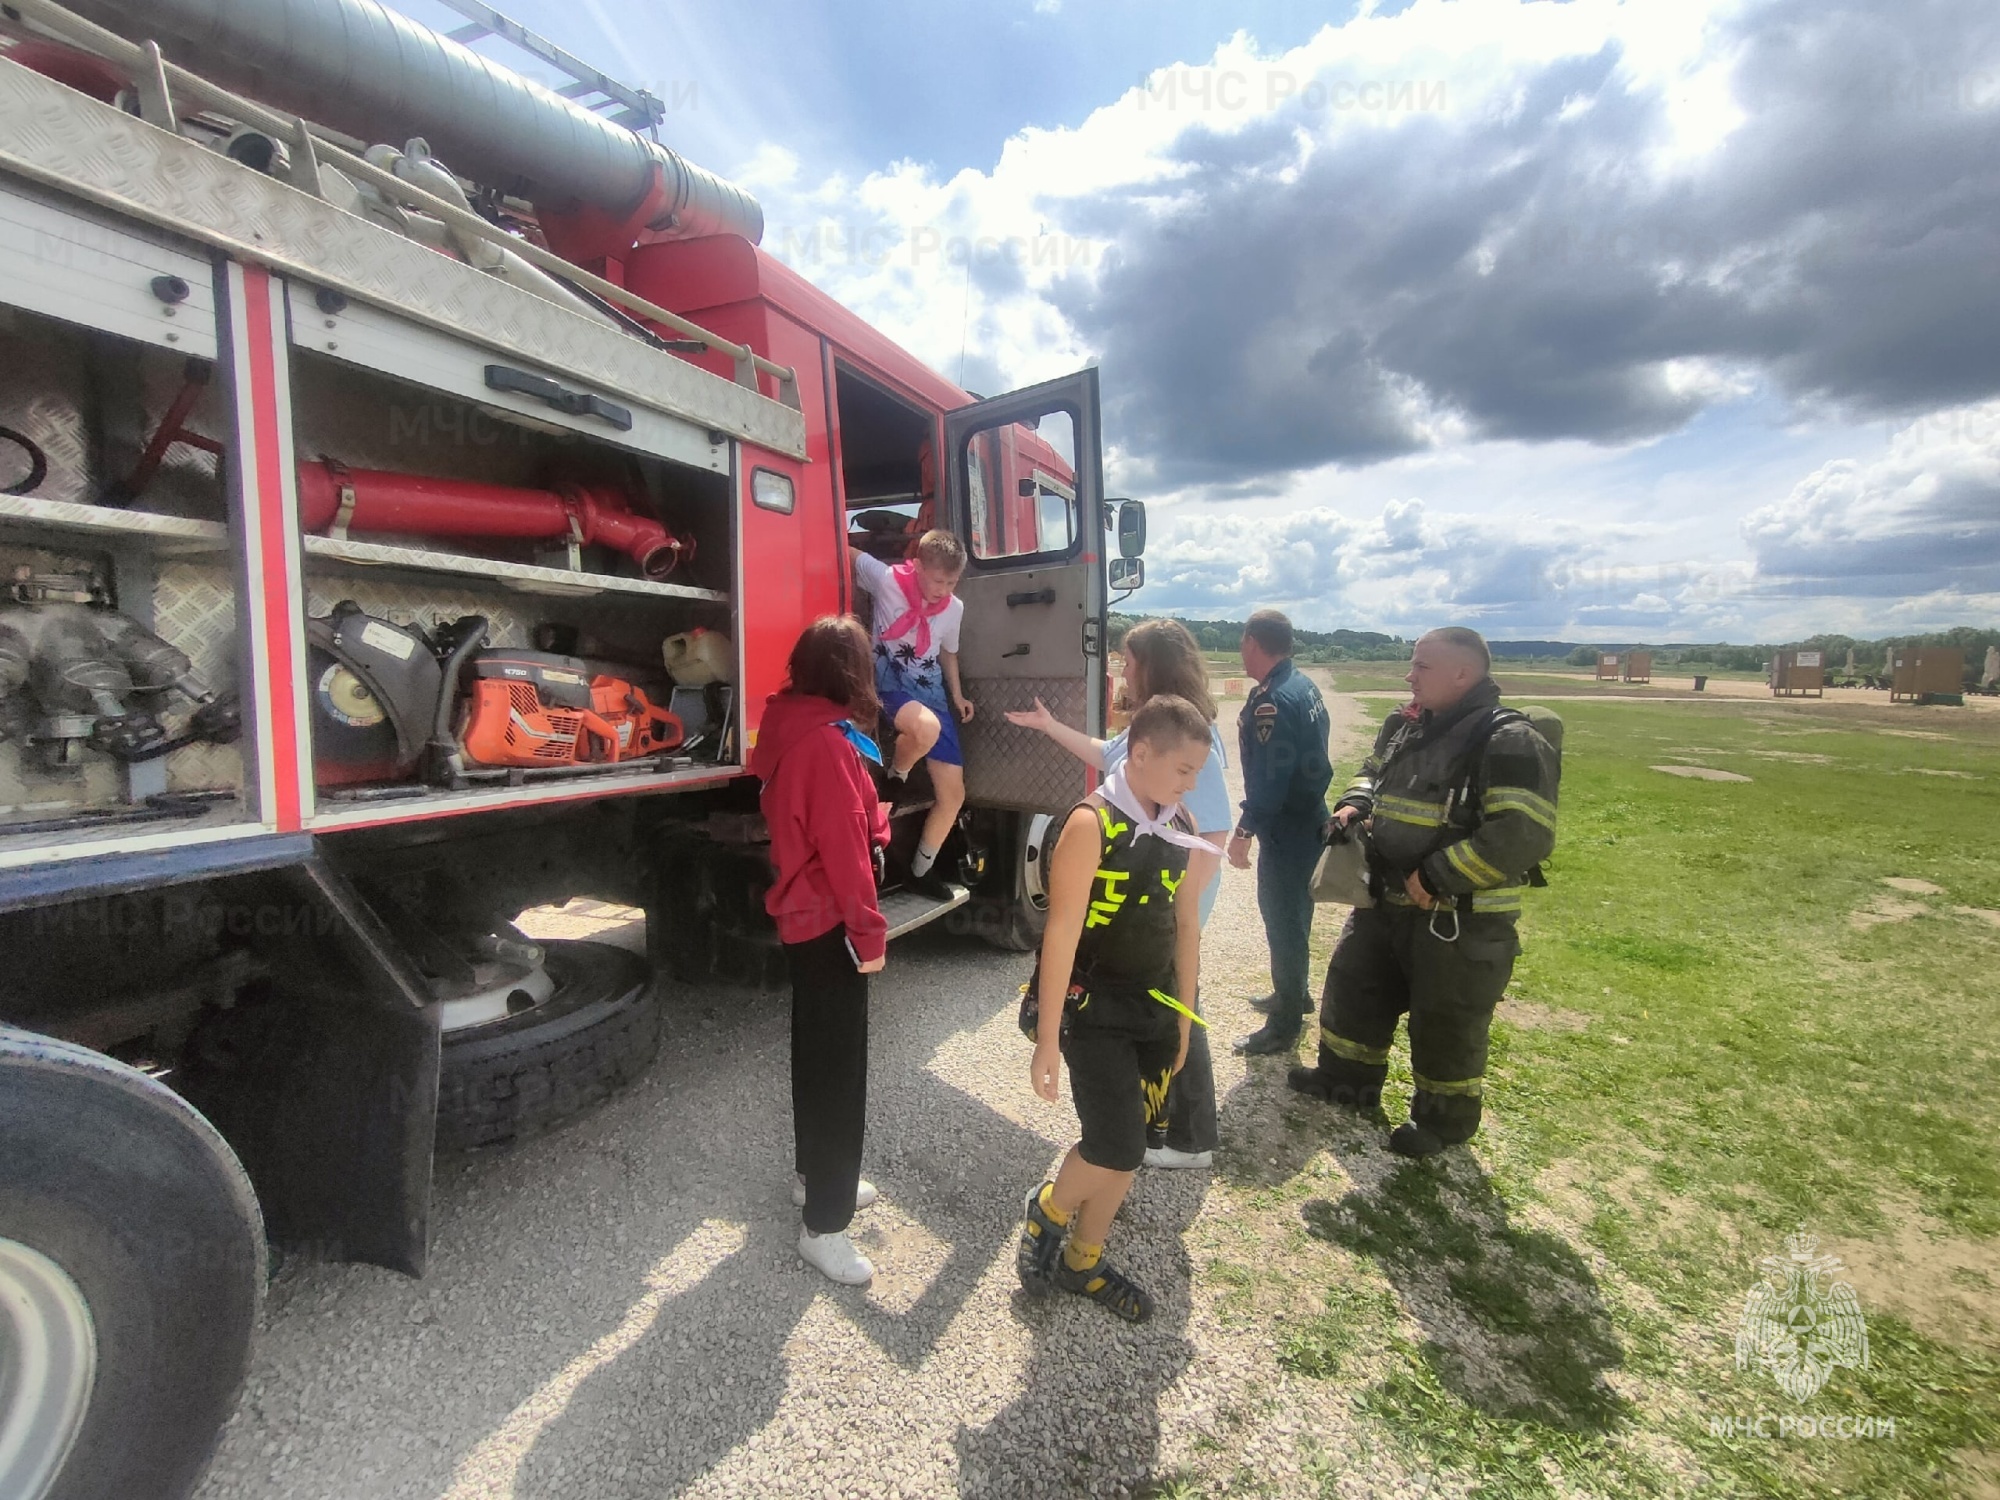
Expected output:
(826, 824)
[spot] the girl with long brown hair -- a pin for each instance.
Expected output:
(826, 824)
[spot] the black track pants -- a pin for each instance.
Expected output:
(1191, 1098)
(1390, 961)
(829, 1076)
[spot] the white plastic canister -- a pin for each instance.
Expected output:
(699, 656)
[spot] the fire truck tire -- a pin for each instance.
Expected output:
(132, 1269)
(516, 1077)
(1015, 922)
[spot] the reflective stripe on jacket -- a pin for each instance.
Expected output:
(1412, 785)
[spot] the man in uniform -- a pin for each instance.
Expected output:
(1460, 804)
(1281, 741)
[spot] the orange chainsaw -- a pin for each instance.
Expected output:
(534, 708)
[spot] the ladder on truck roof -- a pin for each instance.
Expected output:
(66, 140)
(637, 109)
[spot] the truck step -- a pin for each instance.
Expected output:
(906, 911)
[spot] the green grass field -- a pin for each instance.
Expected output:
(1726, 1027)
(1542, 677)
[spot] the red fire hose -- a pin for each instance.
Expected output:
(416, 504)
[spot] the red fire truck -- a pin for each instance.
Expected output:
(412, 479)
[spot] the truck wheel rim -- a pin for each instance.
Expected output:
(507, 996)
(1035, 846)
(48, 1358)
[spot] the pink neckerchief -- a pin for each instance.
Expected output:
(920, 613)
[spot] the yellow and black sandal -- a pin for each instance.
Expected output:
(1041, 1245)
(1107, 1284)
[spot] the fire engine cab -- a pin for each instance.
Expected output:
(412, 480)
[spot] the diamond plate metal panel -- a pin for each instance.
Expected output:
(44, 385)
(90, 402)
(510, 619)
(175, 533)
(194, 608)
(54, 135)
(556, 582)
(1006, 766)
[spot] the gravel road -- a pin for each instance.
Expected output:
(617, 1310)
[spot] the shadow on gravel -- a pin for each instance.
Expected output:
(1088, 1422)
(708, 1375)
(712, 1368)
(1514, 1324)
(616, 1309)
(1269, 1133)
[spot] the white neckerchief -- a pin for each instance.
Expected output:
(1114, 790)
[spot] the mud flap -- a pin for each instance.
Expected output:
(326, 1085)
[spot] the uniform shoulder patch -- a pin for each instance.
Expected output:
(1266, 710)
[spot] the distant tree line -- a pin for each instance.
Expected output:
(1222, 636)
(1869, 655)
(1313, 645)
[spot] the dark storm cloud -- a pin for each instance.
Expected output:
(1531, 273)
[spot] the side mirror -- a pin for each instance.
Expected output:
(1132, 529)
(1127, 573)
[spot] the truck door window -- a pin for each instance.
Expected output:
(887, 473)
(1020, 488)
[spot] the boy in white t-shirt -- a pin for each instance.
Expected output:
(915, 632)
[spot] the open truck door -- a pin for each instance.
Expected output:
(1024, 482)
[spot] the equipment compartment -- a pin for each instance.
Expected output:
(454, 485)
(379, 655)
(423, 512)
(118, 628)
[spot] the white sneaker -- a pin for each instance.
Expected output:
(1167, 1156)
(834, 1256)
(864, 1193)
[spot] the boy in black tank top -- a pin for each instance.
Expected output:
(1121, 954)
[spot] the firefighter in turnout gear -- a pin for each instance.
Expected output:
(1281, 739)
(1460, 810)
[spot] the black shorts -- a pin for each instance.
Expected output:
(1118, 1079)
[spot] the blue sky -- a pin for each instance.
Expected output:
(1602, 320)
(945, 84)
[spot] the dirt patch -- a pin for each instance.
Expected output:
(1701, 773)
(1536, 1017)
(1946, 1285)
(1985, 914)
(1916, 734)
(1885, 909)
(1912, 886)
(1577, 1187)
(1929, 771)
(591, 921)
(1980, 1469)
(1799, 757)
